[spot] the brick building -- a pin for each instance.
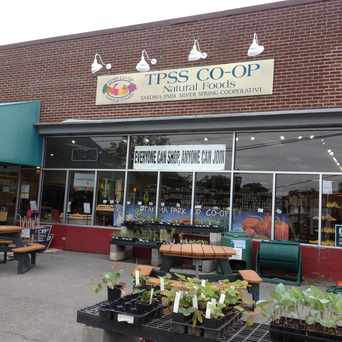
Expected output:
(275, 116)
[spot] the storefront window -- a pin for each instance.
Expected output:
(80, 197)
(53, 196)
(289, 151)
(217, 141)
(212, 193)
(331, 211)
(296, 209)
(29, 192)
(175, 197)
(8, 193)
(141, 196)
(110, 193)
(98, 152)
(252, 205)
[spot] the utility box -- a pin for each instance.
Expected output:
(280, 261)
(242, 244)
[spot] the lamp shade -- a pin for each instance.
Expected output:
(96, 66)
(255, 49)
(143, 66)
(195, 53)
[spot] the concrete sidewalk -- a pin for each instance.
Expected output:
(41, 305)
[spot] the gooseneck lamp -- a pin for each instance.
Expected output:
(96, 66)
(255, 49)
(196, 54)
(143, 66)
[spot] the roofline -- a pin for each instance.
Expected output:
(303, 118)
(176, 21)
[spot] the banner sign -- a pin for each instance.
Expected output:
(214, 81)
(338, 235)
(180, 157)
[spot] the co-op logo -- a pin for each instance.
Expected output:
(119, 89)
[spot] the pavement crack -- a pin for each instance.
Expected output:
(25, 338)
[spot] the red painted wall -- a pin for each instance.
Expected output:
(318, 263)
(82, 239)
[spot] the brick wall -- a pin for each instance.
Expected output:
(304, 40)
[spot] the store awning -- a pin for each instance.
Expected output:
(20, 142)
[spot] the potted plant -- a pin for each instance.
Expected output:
(110, 280)
(303, 315)
(147, 300)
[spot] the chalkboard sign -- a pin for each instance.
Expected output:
(41, 234)
(338, 237)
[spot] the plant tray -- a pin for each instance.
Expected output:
(284, 334)
(124, 311)
(201, 330)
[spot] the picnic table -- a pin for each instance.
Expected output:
(12, 233)
(172, 254)
(25, 255)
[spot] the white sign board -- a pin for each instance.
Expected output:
(251, 78)
(180, 157)
(83, 180)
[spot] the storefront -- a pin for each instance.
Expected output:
(20, 160)
(246, 143)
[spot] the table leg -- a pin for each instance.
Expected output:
(18, 240)
(223, 267)
(166, 263)
(197, 262)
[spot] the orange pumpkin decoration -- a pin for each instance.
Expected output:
(265, 226)
(281, 230)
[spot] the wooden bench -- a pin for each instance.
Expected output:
(26, 256)
(4, 247)
(252, 278)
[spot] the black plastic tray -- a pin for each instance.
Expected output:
(279, 334)
(110, 312)
(204, 331)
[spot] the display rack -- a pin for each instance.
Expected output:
(159, 328)
(180, 228)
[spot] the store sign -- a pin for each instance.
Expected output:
(215, 81)
(83, 180)
(180, 157)
(338, 238)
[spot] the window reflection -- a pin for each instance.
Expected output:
(296, 211)
(141, 196)
(80, 197)
(212, 194)
(175, 197)
(110, 192)
(289, 151)
(53, 196)
(86, 152)
(252, 204)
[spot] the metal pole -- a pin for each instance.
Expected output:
(232, 183)
(192, 198)
(273, 204)
(94, 199)
(157, 195)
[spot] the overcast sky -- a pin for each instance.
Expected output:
(25, 20)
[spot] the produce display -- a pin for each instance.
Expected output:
(298, 314)
(194, 306)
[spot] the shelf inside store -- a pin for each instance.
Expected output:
(182, 228)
